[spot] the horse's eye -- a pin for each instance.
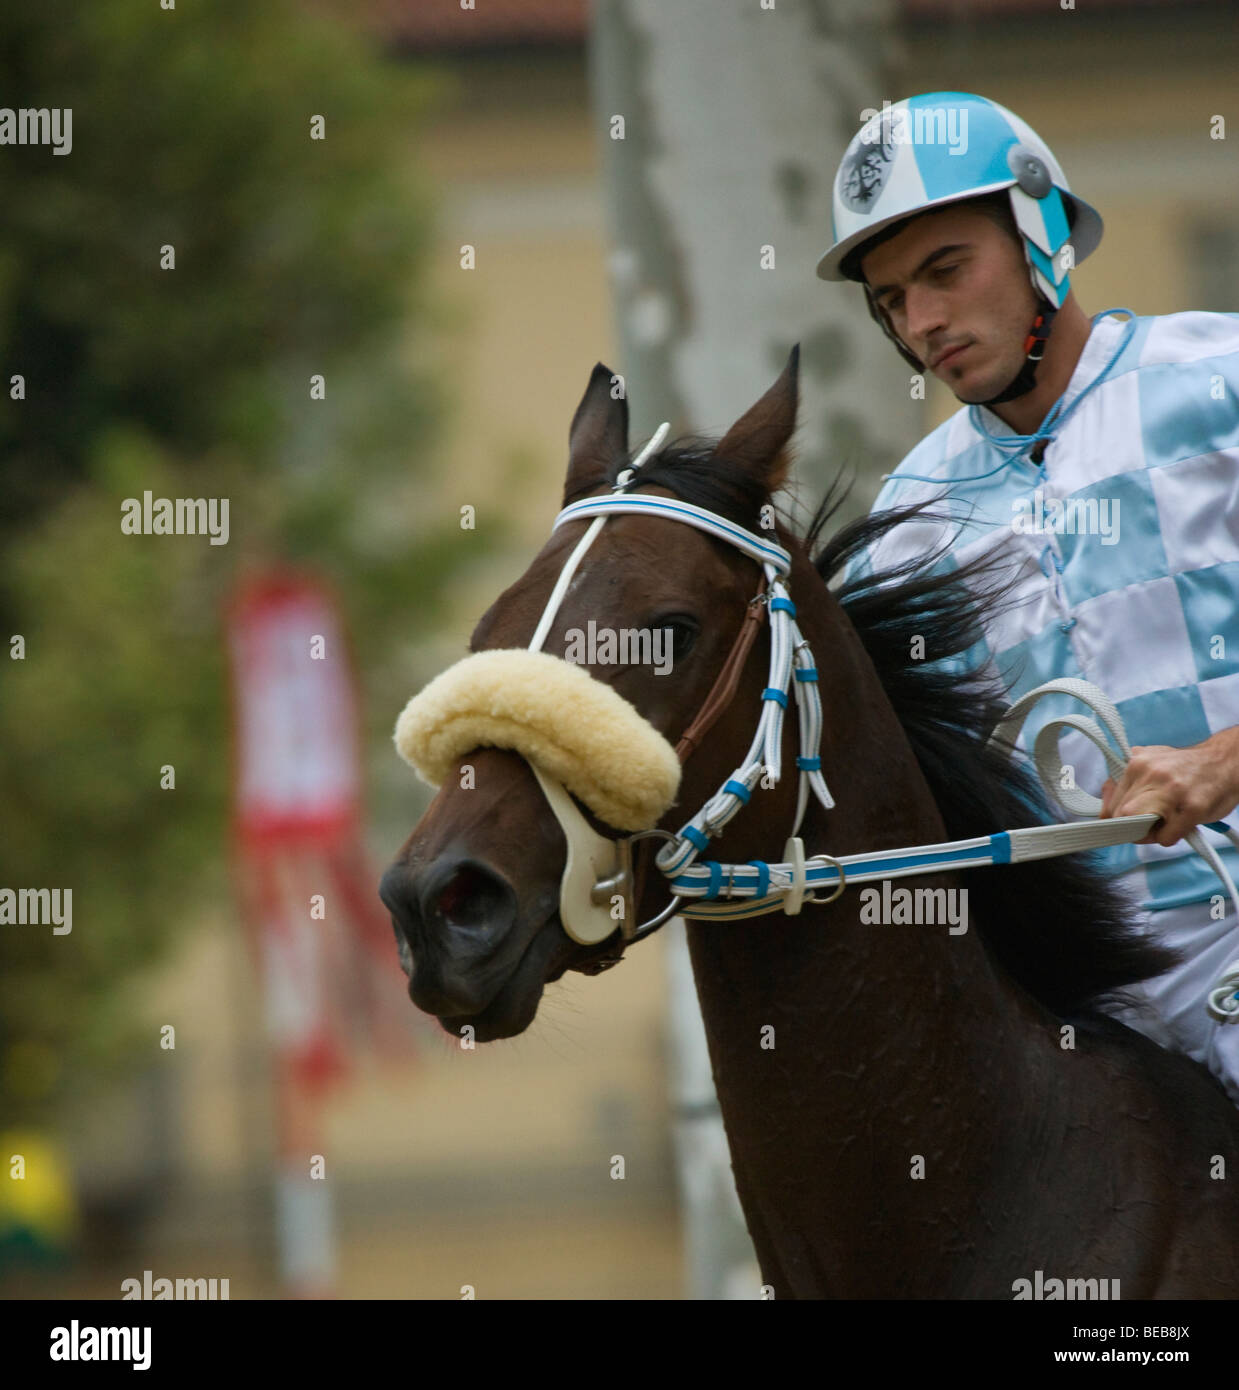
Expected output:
(683, 631)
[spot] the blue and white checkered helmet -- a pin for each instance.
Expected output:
(943, 147)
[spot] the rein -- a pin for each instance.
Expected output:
(599, 869)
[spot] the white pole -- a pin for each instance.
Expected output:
(720, 124)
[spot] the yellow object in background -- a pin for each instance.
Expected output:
(38, 1211)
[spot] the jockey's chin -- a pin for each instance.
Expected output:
(974, 375)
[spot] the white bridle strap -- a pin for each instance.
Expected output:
(590, 859)
(570, 566)
(585, 919)
(789, 657)
(765, 552)
(770, 887)
(561, 585)
(766, 884)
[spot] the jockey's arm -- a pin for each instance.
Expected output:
(1185, 786)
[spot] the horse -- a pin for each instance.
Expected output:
(912, 1111)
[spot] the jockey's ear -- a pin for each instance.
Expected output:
(759, 439)
(598, 436)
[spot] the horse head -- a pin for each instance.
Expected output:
(648, 621)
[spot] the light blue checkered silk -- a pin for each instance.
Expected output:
(1122, 547)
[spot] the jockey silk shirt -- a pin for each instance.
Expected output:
(1122, 548)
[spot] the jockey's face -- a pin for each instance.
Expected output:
(953, 279)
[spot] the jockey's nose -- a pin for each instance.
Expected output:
(924, 315)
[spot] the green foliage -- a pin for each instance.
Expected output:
(293, 257)
(191, 129)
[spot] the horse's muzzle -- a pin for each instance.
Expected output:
(452, 919)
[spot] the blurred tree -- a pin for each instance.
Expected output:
(192, 130)
(293, 256)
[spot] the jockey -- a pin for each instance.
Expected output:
(1097, 461)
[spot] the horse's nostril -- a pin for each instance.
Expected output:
(472, 897)
(395, 889)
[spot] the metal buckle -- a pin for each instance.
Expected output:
(839, 887)
(622, 882)
(632, 933)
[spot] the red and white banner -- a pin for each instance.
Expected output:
(297, 767)
(321, 942)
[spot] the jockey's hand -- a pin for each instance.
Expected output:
(1184, 786)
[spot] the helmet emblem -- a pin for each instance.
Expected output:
(864, 172)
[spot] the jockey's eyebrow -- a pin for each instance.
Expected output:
(879, 290)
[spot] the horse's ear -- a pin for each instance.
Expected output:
(598, 437)
(758, 440)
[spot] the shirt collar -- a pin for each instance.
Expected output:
(1096, 352)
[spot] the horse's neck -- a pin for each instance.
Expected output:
(824, 1028)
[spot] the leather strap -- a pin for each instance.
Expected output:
(722, 692)
(725, 683)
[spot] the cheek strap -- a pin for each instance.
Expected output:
(723, 691)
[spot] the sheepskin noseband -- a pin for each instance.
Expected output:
(570, 726)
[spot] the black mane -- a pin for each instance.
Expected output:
(1056, 926)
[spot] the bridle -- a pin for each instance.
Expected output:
(789, 655)
(599, 869)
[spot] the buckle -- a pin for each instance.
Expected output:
(839, 887)
(628, 932)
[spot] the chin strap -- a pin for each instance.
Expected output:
(1034, 348)
(1034, 351)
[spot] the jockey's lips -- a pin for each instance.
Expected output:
(950, 355)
